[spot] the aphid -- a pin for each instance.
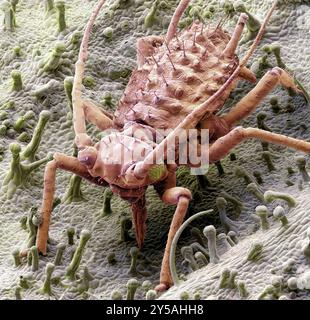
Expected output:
(185, 78)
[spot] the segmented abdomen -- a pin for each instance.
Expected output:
(176, 78)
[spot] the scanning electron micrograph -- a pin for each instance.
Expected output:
(154, 150)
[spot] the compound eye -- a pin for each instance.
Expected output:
(88, 157)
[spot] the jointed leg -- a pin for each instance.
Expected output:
(64, 162)
(175, 19)
(82, 140)
(97, 116)
(249, 103)
(47, 205)
(233, 42)
(180, 197)
(221, 147)
(247, 74)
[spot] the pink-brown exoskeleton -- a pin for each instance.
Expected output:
(181, 81)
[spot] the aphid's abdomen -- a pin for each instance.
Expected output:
(176, 78)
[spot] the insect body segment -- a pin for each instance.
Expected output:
(176, 77)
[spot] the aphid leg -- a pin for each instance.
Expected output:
(231, 47)
(146, 47)
(175, 19)
(247, 74)
(96, 115)
(221, 147)
(82, 140)
(64, 162)
(249, 103)
(174, 196)
(180, 197)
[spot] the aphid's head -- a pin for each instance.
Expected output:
(115, 157)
